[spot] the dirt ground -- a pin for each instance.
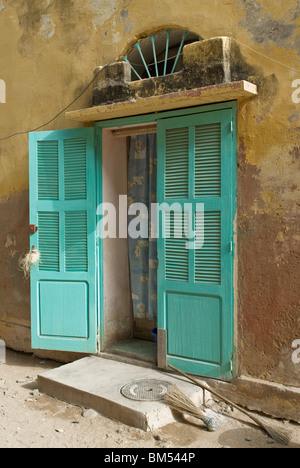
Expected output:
(29, 419)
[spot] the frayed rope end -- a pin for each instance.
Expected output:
(30, 259)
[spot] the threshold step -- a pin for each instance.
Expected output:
(94, 382)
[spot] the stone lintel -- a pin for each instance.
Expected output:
(237, 90)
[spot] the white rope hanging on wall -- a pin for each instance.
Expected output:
(30, 259)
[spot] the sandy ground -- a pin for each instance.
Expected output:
(29, 419)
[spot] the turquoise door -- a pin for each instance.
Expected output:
(197, 169)
(63, 209)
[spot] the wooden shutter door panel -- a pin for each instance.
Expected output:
(63, 206)
(196, 166)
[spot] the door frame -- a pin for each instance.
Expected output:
(147, 119)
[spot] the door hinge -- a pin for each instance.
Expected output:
(232, 365)
(231, 126)
(99, 340)
(231, 247)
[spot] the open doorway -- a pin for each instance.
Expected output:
(143, 263)
(130, 265)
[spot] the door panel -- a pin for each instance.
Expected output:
(194, 326)
(196, 170)
(63, 207)
(58, 302)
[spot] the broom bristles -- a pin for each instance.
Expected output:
(180, 402)
(277, 436)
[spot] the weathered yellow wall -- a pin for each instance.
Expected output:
(49, 49)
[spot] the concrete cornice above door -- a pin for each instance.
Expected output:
(214, 71)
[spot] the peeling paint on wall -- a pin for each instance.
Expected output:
(10, 241)
(47, 27)
(2, 6)
(103, 10)
(262, 26)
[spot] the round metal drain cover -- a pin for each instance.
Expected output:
(145, 390)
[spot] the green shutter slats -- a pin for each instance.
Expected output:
(208, 258)
(177, 163)
(205, 149)
(47, 170)
(177, 260)
(75, 169)
(76, 243)
(48, 241)
(176, 253)
(208, 161)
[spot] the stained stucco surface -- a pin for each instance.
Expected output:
(49, 49)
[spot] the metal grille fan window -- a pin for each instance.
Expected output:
(159, 54)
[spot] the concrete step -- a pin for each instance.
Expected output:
(128, 360)
(94, 382)
(135, 349)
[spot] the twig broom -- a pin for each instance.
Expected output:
(277, 436)
(178, 401)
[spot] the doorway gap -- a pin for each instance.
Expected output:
(136, 347)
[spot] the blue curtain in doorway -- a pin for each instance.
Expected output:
(142, 188)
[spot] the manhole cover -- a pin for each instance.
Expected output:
(145, 390)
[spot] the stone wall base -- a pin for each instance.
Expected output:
(269, 398)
